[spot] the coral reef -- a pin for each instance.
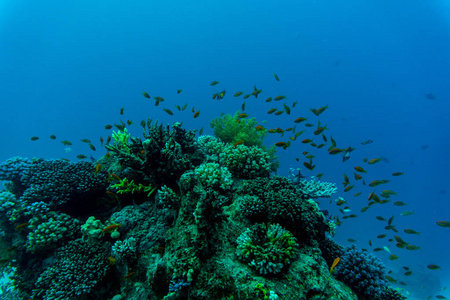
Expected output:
(218, 227)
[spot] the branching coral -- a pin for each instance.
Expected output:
(230, 130)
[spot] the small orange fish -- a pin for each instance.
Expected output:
(21, 226)
(114, 176)
(237, 94)
(214, 96)
(197, 114)
(243, 115)
(374, 160)
(142, 152)
(259, 128)
(433, 267)
(108, 126)
(98, 168)
(397, 173)
(359, 169)
(112, 195)
(306, 141)
(279, 112)
(272, 110)
(111, 260)
(101, 141)
(238, 143)
(348, 188)
(108, 140)
(299, 120)
(335, 151)
(443, 223)
(111, 228)
(269, 99)
(128, 276)
(335, 262)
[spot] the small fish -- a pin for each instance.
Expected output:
(433, 267)
(178, 107)
(381, 236)
(269, 99)
(367, 142)
(112, 260)
(108, 126)
(276, 77)
(111, 228)
(335, 262)
(146, 95)
(347, 152)
(242, 115)
(81, 156)
(259, 128)
(197, 114)
(237, 94)
(348, 188)
(168, 111)
(306, 141)
(407, 213)
(287, 109)
(121, 126)
(272, 110)
(92, 147)
(130, 275)
(335, 151)
(246, 96)
(318, 111)
(101, 141)
(129, 122)
(357, 176)
(320, 129)
(399, 203)
(439, 296)
(413, 248)
(256, 92)
(357, 194)
(411, 231)
(53, 137)
(397, 173)
(408, 273)
(98, 168)
(284, 145)
(86, 140)
(359, 169)
(184, 107)
(278, 98)
(279, 112)
(299, 120)
(393, 257)
(159, 99)
(365, 208)
(391, 219)
(179, 91)
(122, 110)
(213, 83)
(21, 226)
(309, 166)
(443, 223)
(201, 131)
(34, 138)
(374, 160)
(108, 140)
(377, 182)
(309, 125)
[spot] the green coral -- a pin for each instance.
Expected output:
(230, 130)
(266, 249)
(121, 140)
(214, 176)
(125, 187)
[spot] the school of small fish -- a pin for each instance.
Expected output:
(317, 140)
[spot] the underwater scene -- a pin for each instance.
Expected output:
(225, 150)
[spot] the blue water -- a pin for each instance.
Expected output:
(67, 67)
